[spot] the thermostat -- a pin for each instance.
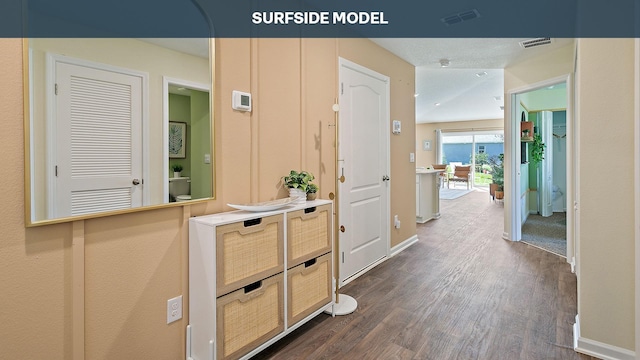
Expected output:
(241, 101)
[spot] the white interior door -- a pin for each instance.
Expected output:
(364, 162)
(98, 149)
(546, 166)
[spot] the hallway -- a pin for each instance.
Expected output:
(461, 292)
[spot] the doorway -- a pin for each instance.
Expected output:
(187, 102)
(535, 190)
(363, 164)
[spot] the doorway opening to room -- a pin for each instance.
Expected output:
(539, 167)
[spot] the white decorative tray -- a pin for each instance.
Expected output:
(264, 206)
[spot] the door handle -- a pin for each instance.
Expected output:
(385, 178)
(342, 228)
(136, 182)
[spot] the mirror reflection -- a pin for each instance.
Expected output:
(110, 121)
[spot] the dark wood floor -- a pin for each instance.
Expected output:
(461, 292)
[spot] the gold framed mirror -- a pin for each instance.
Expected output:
(100, 125)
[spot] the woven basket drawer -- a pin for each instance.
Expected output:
(248, 251)
(250, 316)
(309, 234)
(309, 288)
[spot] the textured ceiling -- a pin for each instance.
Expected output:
(460, 93)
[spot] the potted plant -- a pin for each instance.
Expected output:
(312, 191)
(177, 168)
(297, 183)
(537, 149)
(496, 188)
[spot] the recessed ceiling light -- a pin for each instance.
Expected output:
(481, 74)
(444, 62)
(437, 104)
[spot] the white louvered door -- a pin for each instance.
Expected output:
(98, 141)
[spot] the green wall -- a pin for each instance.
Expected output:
(180, 111)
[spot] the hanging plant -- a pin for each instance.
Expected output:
(537, 149)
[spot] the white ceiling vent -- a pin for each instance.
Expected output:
(535, 42)
(460, 17)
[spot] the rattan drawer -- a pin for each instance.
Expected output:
(309, 287)
(309, 234)
(249, 316)
(248, 251)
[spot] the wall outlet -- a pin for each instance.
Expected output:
(412, 157)
(174, 309)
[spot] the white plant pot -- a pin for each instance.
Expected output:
(176, 174)
(299, 194)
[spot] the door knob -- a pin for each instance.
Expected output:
(136, 182)
(385, 178)
(342, 228)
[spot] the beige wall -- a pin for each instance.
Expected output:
(99, 287)
(402, 78)
(427, 131)
(606, 246)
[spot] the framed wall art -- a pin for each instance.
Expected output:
(177, 140)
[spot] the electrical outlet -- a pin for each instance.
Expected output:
(174, 309)
(412, 157)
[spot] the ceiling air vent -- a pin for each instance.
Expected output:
(460, 17)
(535, 42)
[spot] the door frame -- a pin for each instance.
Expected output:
(512, 215)
(51, 60)
(387, 143)
(166, 81)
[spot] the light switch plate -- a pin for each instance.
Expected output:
(397, 127)
(412, 157)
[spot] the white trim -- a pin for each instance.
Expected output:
(512, 214)
(637, 185)
(403, 245)
(598, 349)
(166, 81)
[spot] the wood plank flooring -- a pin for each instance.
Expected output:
(461, 292)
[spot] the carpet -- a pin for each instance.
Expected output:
(547, 233)
(450, 194)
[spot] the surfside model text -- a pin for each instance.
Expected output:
(318, 18)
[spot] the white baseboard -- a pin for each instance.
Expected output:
(403, 245)
(573, 264)
(598, 349)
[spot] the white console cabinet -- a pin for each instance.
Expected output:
(427, 195)
(256, 276)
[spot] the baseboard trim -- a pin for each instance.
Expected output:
(403, 245)
(597, 348)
